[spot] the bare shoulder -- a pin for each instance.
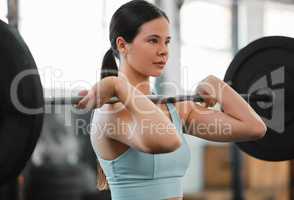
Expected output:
(109, 112)
(108, 120)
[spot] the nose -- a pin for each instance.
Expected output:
(163, 50)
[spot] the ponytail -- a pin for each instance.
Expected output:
(102, 183)
(109, 67)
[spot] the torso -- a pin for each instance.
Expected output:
(111, 149)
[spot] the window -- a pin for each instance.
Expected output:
(68, 39)
(64, 38)
(3, 10)
(206, 41)
(278, 18)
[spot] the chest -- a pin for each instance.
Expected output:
(133, 164)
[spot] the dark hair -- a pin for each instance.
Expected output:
(126, 22)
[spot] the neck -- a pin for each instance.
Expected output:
(137, 80)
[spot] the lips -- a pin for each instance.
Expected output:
(161, 63)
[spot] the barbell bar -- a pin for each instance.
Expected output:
(156, 99)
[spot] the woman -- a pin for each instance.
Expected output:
(140, 145)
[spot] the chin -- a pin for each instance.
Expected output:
(156, 74)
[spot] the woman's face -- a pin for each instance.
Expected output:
(148, 53)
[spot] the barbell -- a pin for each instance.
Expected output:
(266, 63)
(156, 99)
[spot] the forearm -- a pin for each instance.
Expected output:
(237, 122)
(234, 105)
(143, 110)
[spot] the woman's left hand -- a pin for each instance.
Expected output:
(210, 90)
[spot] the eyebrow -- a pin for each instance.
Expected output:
(157, 36)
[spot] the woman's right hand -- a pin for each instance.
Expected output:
(98, 95)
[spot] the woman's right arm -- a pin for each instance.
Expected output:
(149, 130)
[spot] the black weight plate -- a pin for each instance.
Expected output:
(19, 131)
(268, 63)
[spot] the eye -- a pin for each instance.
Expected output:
(153, 41)
(167, 42)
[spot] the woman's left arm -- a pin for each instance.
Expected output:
(237, 122)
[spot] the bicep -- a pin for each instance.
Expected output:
(115, 127)
(216, 125)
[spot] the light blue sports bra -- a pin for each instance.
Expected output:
(135, 175)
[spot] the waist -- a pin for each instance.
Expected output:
(155, 189)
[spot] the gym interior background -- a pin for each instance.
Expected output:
(68, 39)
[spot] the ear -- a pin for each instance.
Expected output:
(122, 45)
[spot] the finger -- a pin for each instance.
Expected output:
(83, 103)
(87, 101)
(83, 92)
(80, 104)
(91, 103)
